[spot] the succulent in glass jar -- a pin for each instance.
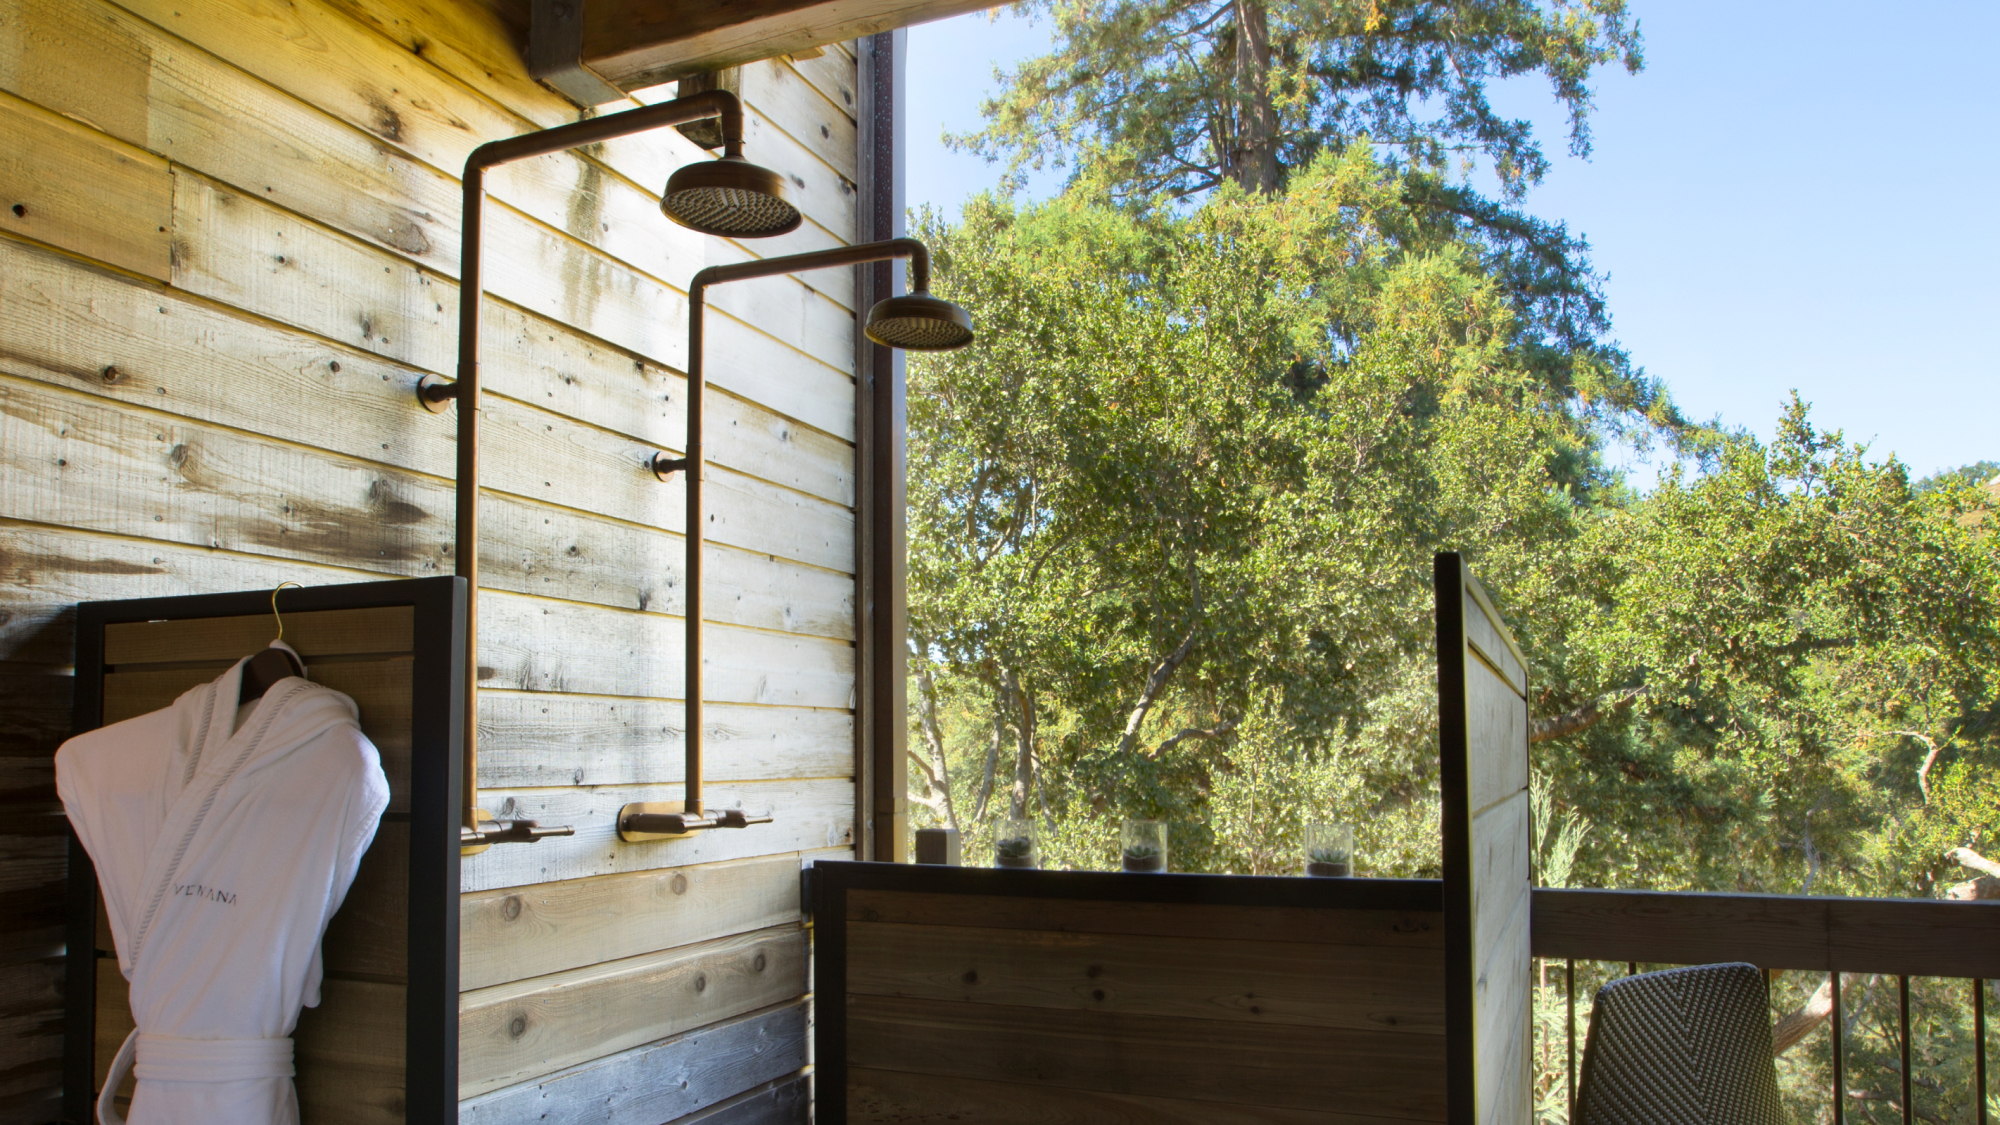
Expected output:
(1014, 843)
(1145, 845)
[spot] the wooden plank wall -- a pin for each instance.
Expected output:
(228, 243)
(979, 1008)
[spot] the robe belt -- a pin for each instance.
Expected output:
(166, 1058)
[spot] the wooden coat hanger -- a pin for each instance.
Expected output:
(272, 664)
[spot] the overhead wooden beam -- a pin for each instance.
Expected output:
(588, 48)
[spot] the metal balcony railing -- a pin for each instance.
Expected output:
(1842, 937)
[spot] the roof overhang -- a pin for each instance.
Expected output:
(596, 51)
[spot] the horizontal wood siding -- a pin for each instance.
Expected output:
(228, 252)
(1008, 1008)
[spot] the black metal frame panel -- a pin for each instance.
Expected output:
(437, 733)
(828, 884)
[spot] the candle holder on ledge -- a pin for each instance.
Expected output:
(1330, 850)
(1144, 846)
(1014, 843)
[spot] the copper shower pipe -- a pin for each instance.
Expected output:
(690, 815)
(475, 831)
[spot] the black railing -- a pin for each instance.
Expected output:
(1899, 938)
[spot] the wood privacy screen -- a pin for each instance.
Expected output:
(981, 995)
(1483, 766)
(382, 1047)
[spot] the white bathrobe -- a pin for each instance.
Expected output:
(222, 852)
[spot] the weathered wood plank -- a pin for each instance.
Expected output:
(889, 1097)
(333, 632)
(1501, 875)
(85, 463)
(470, 42)
(1486, 633)
(657, 1082)
(31, 1027)
(1366, 1073)
(536, 741)
(785, 1102)
(33, 929)
(808, 815)
(1380, 988)
(236, 249)
(34, 856)
(832, 73)
(563, 647)
(515, 933)
(214, 119)
(349, 1054)
(36, 702)
(369, 934)
(58, 181)
(1913, 937)
(1330, 927)
(1503, 1021)
(513, 1032)
(232, 247)
(792, 103)
(365, 79)
(1501, 882)
(527, 548)
(44, 573)
(1496, 723)
(528, 644)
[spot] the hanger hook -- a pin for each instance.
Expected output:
(274, 607)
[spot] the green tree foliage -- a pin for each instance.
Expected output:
(1190, 479)
(1153, 100)
(1171, 523)
(1803, 638)
(1151, 97)
(1172, 516)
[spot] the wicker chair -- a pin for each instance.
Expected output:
(1681, 1047)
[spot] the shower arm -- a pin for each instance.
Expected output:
(475, 830)
(658, 820)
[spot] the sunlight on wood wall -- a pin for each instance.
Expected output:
(228, 242)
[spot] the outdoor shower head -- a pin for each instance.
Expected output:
(919, 322)
(730, 197)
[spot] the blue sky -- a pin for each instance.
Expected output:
(1790, 195)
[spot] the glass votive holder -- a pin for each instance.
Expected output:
(1014, 843)
(1330, 850)
(1144, 845)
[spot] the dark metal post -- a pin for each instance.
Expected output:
(881, 799)
(466, 530)
(1839, 1074)
(1569, 982)
(696, 468)
(1903, 1023)
(1979, 1045)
